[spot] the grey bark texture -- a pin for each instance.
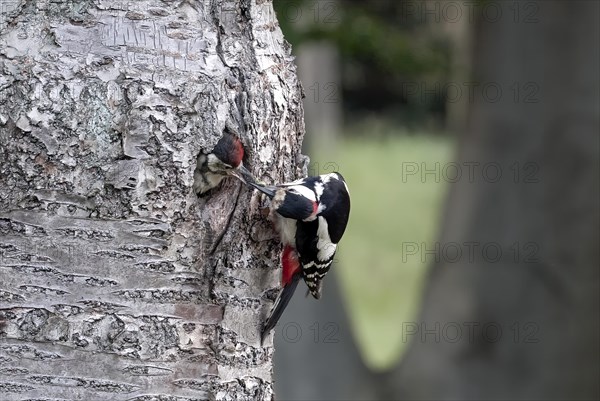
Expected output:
(539, 300)
(117, 281)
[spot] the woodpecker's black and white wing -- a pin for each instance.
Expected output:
(317, 240)
(313, 267)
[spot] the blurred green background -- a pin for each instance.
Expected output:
(394, 87)
(381, 285)
(363, 65)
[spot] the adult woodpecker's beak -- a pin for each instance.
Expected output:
(267, 190)
(247, 178)
(243, 174)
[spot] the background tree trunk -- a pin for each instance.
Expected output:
(523, 325)
(317, 356)
(117, 282)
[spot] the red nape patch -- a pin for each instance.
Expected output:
(229, 150)
(238, 153)
(290, 263)
(315, 207)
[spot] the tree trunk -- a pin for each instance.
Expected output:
(117, 281)
(516, 315)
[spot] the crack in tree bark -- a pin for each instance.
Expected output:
(228, 222)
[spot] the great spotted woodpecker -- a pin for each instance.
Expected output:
(311, 215)
(224, 160)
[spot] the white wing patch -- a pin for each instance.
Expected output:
(324, 245)
(304, 191)
(299, 181)
(319, 188)
(328, 177)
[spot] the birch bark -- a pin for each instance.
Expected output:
(117, 281)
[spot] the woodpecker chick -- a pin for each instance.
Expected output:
(311, 215)
(224, 160)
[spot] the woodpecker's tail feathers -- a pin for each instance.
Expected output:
(283, 299)
(315, 293)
